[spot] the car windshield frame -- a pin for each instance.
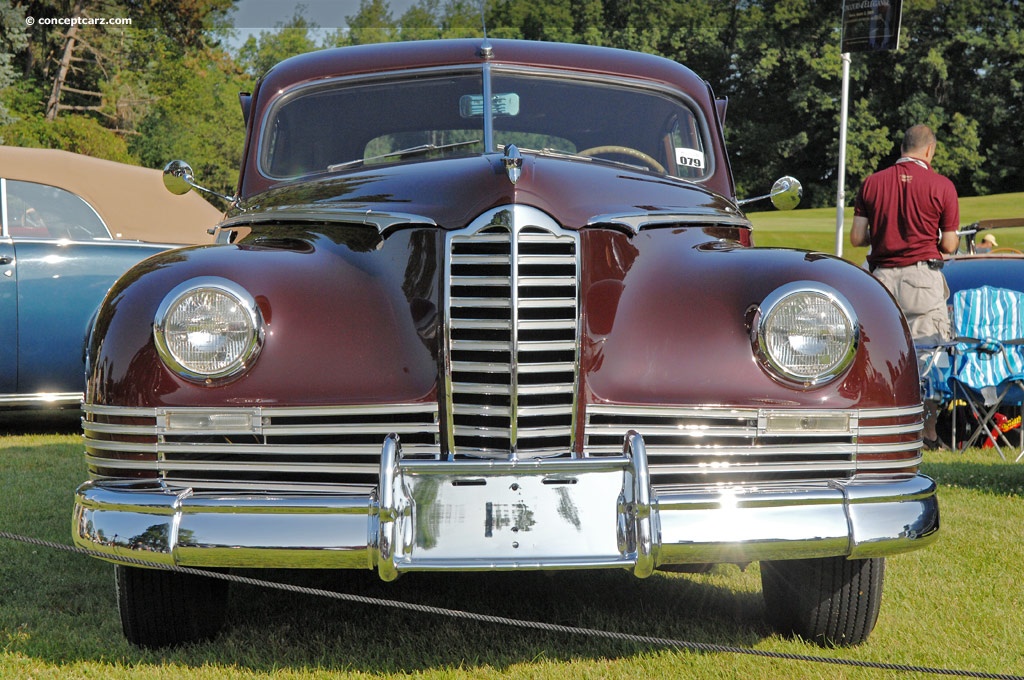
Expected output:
(286, 125)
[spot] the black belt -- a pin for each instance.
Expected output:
(936, 265)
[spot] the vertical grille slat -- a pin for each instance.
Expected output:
(512, 326)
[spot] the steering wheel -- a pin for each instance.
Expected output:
(1015, 251)
(625, 151)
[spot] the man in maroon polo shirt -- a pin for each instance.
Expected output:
(909, 215)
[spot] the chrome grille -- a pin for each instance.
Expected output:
(257, 448)
(731, 446)
(512, 336)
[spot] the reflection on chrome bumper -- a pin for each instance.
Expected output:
(41, 400)
(497, 515)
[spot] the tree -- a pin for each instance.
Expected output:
(295, 36)
(371, 24)
(421, 21)
(97, 77)
(555, 20)
(195, 116)
(13, 39)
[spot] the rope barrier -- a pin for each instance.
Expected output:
(649, 640)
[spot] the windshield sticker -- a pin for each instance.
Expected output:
(689, 158)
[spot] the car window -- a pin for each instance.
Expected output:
(342, 124)
(43, 211)
(602, 119)
(325, 128)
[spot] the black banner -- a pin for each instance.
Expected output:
(870, 25)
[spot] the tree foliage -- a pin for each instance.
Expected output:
(165, 87)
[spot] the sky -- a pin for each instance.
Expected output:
(251, 17)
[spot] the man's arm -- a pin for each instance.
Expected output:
(859, 233)
(948, 242)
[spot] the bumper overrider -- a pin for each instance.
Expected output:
(430, 515)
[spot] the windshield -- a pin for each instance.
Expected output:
(344, 124)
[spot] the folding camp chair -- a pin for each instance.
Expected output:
(988, 360)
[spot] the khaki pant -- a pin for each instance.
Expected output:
(921, 293)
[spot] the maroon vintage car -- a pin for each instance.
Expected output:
(494, 305)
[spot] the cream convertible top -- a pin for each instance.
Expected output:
(131, 200)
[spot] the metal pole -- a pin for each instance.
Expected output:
(841, 174)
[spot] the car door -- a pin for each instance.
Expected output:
(8, 304)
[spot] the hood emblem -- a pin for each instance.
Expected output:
(513, 162)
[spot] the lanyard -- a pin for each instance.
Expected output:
(908, 159)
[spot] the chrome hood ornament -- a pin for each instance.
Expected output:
(513, 162)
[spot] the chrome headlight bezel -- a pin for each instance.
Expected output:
(771, 328)
(246, 324)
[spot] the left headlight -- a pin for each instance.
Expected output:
(806, 333)
(208, 328)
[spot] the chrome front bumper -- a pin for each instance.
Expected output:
(430, 515)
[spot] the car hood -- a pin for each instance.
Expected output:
(450, 193)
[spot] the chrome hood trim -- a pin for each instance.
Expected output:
(635, 221)
(383, 221)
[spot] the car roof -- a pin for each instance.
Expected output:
(414, 54)
(131, 200)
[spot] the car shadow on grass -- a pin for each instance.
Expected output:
(62, 421)
(270, 629)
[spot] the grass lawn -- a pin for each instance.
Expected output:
(815, 229)
(958, 604)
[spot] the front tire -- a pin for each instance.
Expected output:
(832, 601)
(163, 608)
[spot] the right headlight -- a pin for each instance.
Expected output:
(208, 328)
(806, 333)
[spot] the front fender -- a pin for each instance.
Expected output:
(669, 324)
(350, 318)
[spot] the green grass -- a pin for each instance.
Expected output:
(958, 604)
(815, 229)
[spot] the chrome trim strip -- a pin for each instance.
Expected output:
(4, 231)
(259, 412)
(383, 221)
(280, 448)
(487, 93)
(635, 221)
(735, 443)
(55, 399)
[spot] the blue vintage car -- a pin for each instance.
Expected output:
(71, 225)
(984, 262)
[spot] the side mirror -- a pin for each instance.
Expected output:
(178, 179)
(785, 194)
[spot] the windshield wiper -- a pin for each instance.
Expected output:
(402, 153)
(559, 153)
